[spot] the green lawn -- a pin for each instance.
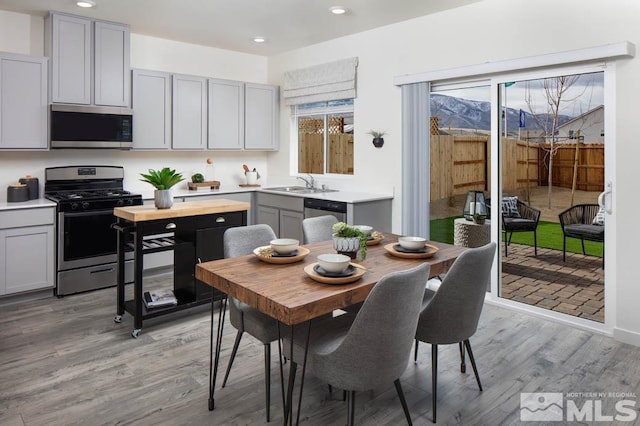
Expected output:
(549, 236)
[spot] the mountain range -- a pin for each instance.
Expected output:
(462, 113)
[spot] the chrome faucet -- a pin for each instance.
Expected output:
(309, 183)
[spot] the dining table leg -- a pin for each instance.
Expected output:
(215, 359)
(288, 412)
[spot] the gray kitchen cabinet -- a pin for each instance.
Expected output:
(269, 216)
(23, 102)
(226, 114)
(283, 213)
(189, 112)
(89, 60)
(112, 84)
(27, 241)
(151, 102)
(262, 111)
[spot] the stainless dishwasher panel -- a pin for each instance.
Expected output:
(314, 207)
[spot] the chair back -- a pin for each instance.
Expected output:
(376, 350)
(242, 240)
(318, 228)
(453, 313)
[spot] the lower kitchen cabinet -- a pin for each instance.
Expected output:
(283, 213)
(27, 241)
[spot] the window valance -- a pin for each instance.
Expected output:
(325, 82)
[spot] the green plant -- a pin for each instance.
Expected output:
(377, 133)
(477, 217)
(162, 179)
(343, 230)
(197, 178)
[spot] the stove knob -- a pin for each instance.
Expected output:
(74, 206)
(120, 203)
(130, 202)
(85, 204)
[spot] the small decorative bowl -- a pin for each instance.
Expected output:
(366, 229)
(335, 263)
(412, 243)
(284, 245)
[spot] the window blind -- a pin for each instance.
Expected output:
(325, 82)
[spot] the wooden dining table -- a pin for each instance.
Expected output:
(286, 293)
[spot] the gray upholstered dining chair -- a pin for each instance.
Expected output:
(240, 241)
(318, 228)
(451, 314)
(372, 348)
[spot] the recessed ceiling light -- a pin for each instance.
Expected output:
(338, 10)
(259, 39)
(85, 3)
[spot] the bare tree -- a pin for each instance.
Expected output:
(555, 90)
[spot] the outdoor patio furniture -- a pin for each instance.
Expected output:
(517, 216)
(578, 222)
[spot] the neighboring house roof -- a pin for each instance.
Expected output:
(581, 117)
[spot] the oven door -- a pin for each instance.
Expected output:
(86, 239)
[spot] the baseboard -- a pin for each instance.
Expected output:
(626, 336)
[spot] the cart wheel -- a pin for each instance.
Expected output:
(118, 319)
(135, 333)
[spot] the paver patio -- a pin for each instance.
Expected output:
(574, 287)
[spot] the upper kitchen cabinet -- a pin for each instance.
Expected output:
(89, 61)
(261, 117)
(112, 83)
(23, 102)
(226, 114)
(189, 112)
(152, 105)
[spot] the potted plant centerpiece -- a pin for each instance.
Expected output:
(348, 240)
(162, 180)
(378, 139)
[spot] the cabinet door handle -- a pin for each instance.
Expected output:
(220, 219)
(170, 226)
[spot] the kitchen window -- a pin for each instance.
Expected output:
(324, 135)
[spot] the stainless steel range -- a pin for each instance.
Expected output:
(86, 243)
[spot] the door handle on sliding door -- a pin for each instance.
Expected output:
(605, 201)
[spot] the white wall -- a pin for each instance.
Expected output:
(490, 30)
(20, 33)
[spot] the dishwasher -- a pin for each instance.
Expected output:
(314, 207)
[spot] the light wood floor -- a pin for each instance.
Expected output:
(65, 362)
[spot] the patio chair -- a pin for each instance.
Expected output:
(579, 221)
(517, 216)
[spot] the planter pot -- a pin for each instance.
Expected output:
(163, 198)
(378, 142)
(347, 246)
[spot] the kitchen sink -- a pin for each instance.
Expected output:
(299, 189)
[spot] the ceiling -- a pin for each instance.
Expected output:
(232, 24)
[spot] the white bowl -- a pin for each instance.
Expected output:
(284, 245)
(333, 262)
(412, 243)
(366, 229)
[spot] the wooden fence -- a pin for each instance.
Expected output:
(590, 166)
(462, 163)
(311, 153)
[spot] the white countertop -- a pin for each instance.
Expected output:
(31, 204)
(344, 196)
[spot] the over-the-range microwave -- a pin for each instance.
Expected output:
(84, 126)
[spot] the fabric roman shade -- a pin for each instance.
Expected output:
(320, 83)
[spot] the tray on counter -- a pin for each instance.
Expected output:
(211, 184)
